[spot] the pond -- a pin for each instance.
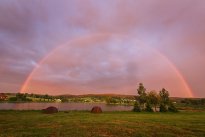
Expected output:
(63, 106)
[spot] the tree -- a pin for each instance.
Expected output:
(146, 101)
(112, 100)
(164, 100)
(13, 99)
(46, 97)
(108, 100)
(163, 108)
(164, 96)
(136, 107)
(141, 89)
(153, 98)
(148, 107)
(21, 97)
(142, 95)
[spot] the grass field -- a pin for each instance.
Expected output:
(107, 124)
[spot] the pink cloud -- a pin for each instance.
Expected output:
(30, 30)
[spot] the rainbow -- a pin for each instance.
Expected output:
(105, 35)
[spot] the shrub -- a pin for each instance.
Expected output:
(136, 107)
(172, 108)
(148, 108)
(163, 108)
(13, 99)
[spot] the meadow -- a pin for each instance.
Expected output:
(107, 124)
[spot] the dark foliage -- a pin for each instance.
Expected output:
(148, 107)
(193, 101)
(163, 108)
(136, 107)
(172, 108)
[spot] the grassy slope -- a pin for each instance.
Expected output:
(108, 124)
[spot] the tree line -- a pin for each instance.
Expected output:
(27, 97)
(151, 101)
(194, 102)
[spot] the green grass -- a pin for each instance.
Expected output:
(107, 124)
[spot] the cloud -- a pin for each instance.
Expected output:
(104, 65)
(29, 30)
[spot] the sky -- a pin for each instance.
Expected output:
(102, 46)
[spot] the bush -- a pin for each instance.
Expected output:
(172, 108)
(163, 108)
(13, 99)
(64, 100)
(27, 99)
(148, 108)
(136, 107)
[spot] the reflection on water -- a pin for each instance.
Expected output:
(62, 106)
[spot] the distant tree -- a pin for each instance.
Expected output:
(64, 100)
(32, 95)
(142, 95)
(37, 96)
(13, 99)
(26, 95)
(137, 107)
(46, 97)
(203, 101)
(52, 98)
(193, 101)
(21, 97)
(112, 100)
(108, 100)
(153, 98)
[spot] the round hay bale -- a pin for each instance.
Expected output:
(50, 110)
(96, 109)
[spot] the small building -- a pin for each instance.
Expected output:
(3, 96)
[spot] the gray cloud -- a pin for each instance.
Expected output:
(29, 30)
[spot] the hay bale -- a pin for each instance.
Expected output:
(50, 110)
(96, 109)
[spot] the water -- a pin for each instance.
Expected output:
(63, 106)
